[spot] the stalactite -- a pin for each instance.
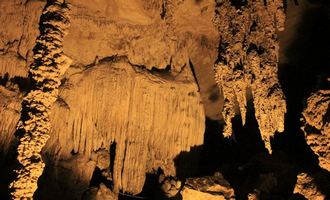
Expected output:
(149, 118)
(248, 58)
(34, 126)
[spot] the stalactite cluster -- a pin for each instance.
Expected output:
(248, 59)
(34, 126)
(156, 119)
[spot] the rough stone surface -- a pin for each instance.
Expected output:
(208, 188)
(170, 186)
(10, 113)
(112, 28)
(307, 187)
(133, 109)
(18, 33)
(101, 158)
(49, 65)
(248, 60)
(316, 119)
(65, 178)
(130, 103)
(152, 34)
(115, 103)
(100, 193)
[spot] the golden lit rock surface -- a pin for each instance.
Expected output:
(88, 117)
(150, 33)
(133, 109)
(139, 87)
(316, 117)
(34, 126)
(18, 33)
(248, 60)
(9, 109)
(100, 193)
(307, 187)
(208, 188)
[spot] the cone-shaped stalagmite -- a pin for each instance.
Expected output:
(248, 58)
(49, 64)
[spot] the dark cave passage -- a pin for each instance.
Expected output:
(304, 69)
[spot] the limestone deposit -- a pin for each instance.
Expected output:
(158, 99)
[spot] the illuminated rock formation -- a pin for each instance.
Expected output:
(95, 111)
(9, 111)
(178, 119)
(208, 188)
(145, 91)
(19, 30)
(248, 60)
(316, 118)
(149, 118)
(307, 186)
(153, 34)
(34, 127)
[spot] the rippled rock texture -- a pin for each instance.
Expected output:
(248, 61)
(316, 118)
(97, 97)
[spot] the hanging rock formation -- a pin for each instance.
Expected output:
(115, 103)
(34, 126)
(10, 113)
(132, 110)
(143, 77)
(152, 34)
(115, 28)
(155, 34)
(248, 60)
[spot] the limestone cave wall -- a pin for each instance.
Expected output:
(164, 99)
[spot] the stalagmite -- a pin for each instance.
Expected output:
(208, 188)
(307, 186)
(147, 118)
(248, 59)
(316, 119)
(49, 65)
(99, 99)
